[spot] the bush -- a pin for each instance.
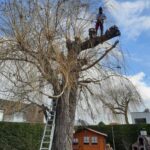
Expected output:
(20, 136)
(25, 136)
(124, 135)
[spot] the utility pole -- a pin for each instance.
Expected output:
(112, 129)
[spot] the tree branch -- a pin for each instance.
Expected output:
(106, 52)
(109, 34)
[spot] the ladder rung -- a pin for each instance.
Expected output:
(47, 136)
(49, 125)
(46, 142)
(50, 120)
(48, 130)
(44, 148)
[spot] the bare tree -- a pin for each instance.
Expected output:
(121, 98)
(43, 51)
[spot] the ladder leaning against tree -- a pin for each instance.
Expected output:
(48, 134)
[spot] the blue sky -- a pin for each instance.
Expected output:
(133, 19)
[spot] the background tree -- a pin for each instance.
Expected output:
(121, 98)
(44, 54)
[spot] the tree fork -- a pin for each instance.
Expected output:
(93, 42)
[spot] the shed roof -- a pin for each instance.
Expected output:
(89, 129)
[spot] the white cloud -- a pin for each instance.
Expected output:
(142, 87)
(129, 16)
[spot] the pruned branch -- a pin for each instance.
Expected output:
(106, 52)
(110, 33)
(79, 46)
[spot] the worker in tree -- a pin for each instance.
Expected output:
(45, 111)
(92, 33)
(100, 21)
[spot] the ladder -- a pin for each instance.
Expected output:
(48, 134)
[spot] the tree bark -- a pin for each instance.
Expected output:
(126, 113)
(126, 118)
(64, 125)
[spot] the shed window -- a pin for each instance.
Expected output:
(75, 141)
(86, 140)
(94, 140)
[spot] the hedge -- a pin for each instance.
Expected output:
(124, 135)
(24, 136)
(20, 136)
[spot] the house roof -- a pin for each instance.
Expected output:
(96, 132)
(89, 129)
(139, 112)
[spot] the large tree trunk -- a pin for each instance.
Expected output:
(126, 112)
(64, 125)
(126, 118)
